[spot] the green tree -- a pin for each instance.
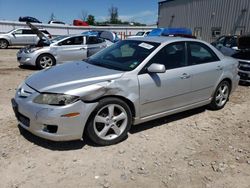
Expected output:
(113, 14)
(91, 19)
(52, 16)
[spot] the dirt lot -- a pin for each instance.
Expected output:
(198, 148)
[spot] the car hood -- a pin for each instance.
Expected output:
(68, 76)
(38, 32)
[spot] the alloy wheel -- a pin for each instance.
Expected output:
(222, 95)
(46, 62)
(110, 121)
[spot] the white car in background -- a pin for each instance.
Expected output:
(61, 49)
(140, 34)
(21, 36)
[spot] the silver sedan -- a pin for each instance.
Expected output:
(61, 49)
(131, 82)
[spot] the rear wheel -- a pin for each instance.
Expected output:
(4, 44)
(221, 96)
(45, 61)
(110, 122)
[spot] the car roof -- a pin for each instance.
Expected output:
(163, 39)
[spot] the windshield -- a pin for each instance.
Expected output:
(58, 38)
(123, 56)
(140, 33)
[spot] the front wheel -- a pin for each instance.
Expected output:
(221, 96)
(109, 122)
(45, 61)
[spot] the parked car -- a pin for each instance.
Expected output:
(80, 23)
(226, 40)
(132, 81)
(237, 47)
(56, 22)
(61, 49)
(20, 36)
(29, 19)
(140, 34)
(173, 32)
(108, 35)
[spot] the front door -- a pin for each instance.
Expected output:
(71, 49)
(160, 92)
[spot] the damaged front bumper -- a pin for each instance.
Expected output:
(49, 121)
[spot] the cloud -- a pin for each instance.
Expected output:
(147, 17)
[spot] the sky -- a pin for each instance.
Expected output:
(144, 11)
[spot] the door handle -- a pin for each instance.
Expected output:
(219, 68)
(185, 76)
(83, 48)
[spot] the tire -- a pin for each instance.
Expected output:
(221, 96)
(45, 61)
(4, 44)
(110, 122)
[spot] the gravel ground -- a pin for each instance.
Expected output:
(198, 148)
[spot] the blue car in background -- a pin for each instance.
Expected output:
(175, 32)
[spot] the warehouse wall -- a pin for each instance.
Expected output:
(231, 16)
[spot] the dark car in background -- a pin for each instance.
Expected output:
(29, 19)
(237, 47)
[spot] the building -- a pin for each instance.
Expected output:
(208, 19)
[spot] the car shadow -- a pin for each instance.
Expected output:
(164, 120)
(13, 48)
(29, 67)
(51, 145)
(79, 144)
(242, 83)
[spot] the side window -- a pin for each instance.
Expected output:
(172, 56)
(200, 53)
(73, 41)
(27, 32)
(94, 40)
(19, 32)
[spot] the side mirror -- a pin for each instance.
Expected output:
(156, 68)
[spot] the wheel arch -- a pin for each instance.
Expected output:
(9, 42)
(126, 100)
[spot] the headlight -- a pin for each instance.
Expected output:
(55, 99)
(30, 50)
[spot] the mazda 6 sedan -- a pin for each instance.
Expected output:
(130, 82)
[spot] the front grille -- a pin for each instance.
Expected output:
(245, 66)
(243, 76)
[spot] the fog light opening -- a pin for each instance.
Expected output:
(50, 128)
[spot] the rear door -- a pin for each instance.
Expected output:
(206, 70)
(71, 49)
(160, 92)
